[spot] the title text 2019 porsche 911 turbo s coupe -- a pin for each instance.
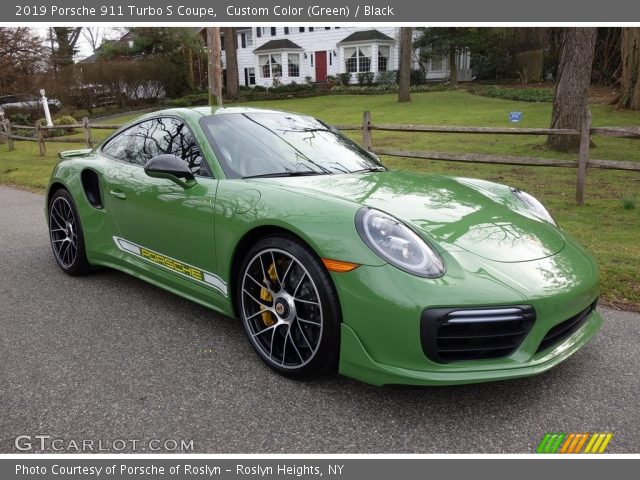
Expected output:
(329, 259)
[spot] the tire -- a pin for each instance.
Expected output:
(291, 315)
(66, 236)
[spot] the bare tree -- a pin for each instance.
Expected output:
(404, 80)
(572, 88)
(22, 54)
(93, 36)
(629, 94)
(231, 53)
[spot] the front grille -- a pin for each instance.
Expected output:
(454, 334)
(565, 329)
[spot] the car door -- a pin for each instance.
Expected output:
(163, 226)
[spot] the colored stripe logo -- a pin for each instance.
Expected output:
(574, 443)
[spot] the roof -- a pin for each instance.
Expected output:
(196, 113)
(283, 44)
(366, 36)
(91, 58)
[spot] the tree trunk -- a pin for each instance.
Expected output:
(453, 68)
(572, 88)
(215, 66)
(66, 38)
(404, 80)
(629, 95)
(231, 51)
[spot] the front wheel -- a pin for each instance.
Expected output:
(65, 233)
(289, 308)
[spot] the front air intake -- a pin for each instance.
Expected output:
(565, 329)
(454, 334)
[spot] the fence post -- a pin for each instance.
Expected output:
(87, 132)
(366, 130)
(7, 129)
(585, 140)
(40, 137)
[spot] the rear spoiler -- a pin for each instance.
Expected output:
(74, 153)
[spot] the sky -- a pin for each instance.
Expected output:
(83, 46)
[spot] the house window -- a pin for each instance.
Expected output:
(327, 28)
(286, 30)
(258, 32)
(273, 31)
(250, 76)
(436, 63)
(311, 29)
(294, 64)
(383, 57)
(330, 57)
(270, 65)
(358, 59)
(311, 57)
(246, 39)
(436, 58)
(301, 29)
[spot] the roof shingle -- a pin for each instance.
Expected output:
(283, 44)
(366, 36)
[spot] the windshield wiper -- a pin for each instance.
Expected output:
(286, 174)
(370, 169)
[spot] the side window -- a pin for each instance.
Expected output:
(122, 146)
(169, 136)
(154, 138)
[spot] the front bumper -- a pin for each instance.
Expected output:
(382, 308)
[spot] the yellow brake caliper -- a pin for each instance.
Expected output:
(267, 316)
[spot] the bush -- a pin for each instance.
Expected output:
(344, 78)
(387, 78)
(382, 89)
(365, 78)
(416, 77)
(61, 122)
(518, 94)
(194, 100)
(20, 118)
(65, 120)
(125, 83)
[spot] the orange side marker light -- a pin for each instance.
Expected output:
(339, 266)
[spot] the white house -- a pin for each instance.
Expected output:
(297, 54)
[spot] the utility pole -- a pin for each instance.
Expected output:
(215, 66)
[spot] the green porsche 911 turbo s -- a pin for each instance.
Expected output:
(330, 260)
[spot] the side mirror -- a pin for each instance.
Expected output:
(172, 168)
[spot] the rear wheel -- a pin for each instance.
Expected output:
(289, 308)
(65, 233)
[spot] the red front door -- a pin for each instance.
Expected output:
(321, 66)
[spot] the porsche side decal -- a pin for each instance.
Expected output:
(176, 266)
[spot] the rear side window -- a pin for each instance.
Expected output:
(121, 147)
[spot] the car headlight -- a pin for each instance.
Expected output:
(398, 244)
(533, 205)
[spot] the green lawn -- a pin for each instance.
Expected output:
(608, 225)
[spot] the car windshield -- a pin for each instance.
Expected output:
(282, 144)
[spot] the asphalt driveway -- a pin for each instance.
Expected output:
(109, 357)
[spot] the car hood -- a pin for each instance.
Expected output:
(453, 213)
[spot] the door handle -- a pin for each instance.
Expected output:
(118, 194)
